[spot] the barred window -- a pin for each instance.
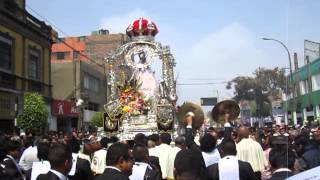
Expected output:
(91, 83)
(34, 64)
(6, 54)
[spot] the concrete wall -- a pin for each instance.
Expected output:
(64, 81)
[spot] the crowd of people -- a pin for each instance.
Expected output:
(230, 153)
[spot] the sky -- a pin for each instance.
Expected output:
(212, 41)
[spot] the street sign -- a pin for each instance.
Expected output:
(209, 101)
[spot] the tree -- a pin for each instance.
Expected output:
(264, 86)
(97, 119)
(35, 112)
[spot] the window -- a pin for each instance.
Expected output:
(91, 83)
(92, 106)
(304, 88)
(34, 64)
(6, 60)
(81, 38)
(60, 55)
(315, 82)
(7, 80)
(76, 54)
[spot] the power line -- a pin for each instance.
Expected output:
(204, 79)
(195, 84)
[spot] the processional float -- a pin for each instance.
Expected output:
(137, 100)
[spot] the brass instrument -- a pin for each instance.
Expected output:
(191, 107)
(227, 106)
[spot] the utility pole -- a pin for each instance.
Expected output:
(292, 80)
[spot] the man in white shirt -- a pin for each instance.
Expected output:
(251, 151)
(28, 156)
(180, 143)
(162, 152)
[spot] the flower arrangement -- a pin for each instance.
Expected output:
(132, 101)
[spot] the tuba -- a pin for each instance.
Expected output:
(191, 107)
(227, 106)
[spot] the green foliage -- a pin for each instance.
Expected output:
(97, 119)
(264, 86)
(35, 112)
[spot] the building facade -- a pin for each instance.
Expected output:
(307, 98)
(25, 44)
(79, 74)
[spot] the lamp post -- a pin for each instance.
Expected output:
(293, 114)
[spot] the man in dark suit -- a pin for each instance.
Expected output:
(119, 163)
(142, 169)
(10, 161)
(60, 158)
(228, 154)
(282, 162)
(189, 163)
(141, 139)
(82, 166)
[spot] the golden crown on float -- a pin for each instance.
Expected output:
(142, 27)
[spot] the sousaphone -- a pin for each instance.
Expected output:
(223, 107)
(191, 107)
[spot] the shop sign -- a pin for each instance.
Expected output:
(64, 108)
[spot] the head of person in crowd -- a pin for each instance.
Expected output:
(65, 138)
(228, 147)
(140, 139)
(120, 156)
(187, 165)
(165, 138)
(212, 131)
(243, 132)
(316, 135)
(104, 142)
(305, 132)
(60, 158)
(43, 150)
(80, 135)
(74, 144)
(13, 149)
(277, 129)
(180, 142)
(140, 153)
(28, 141)
(252, 131)
(267, 142)
(155, 138)
(151, 144)
(282, 130)
(208, 143)
(130, 143)
(279, 142)
(281, 158)
(300, 142)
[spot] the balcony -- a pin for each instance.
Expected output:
(8, 82)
